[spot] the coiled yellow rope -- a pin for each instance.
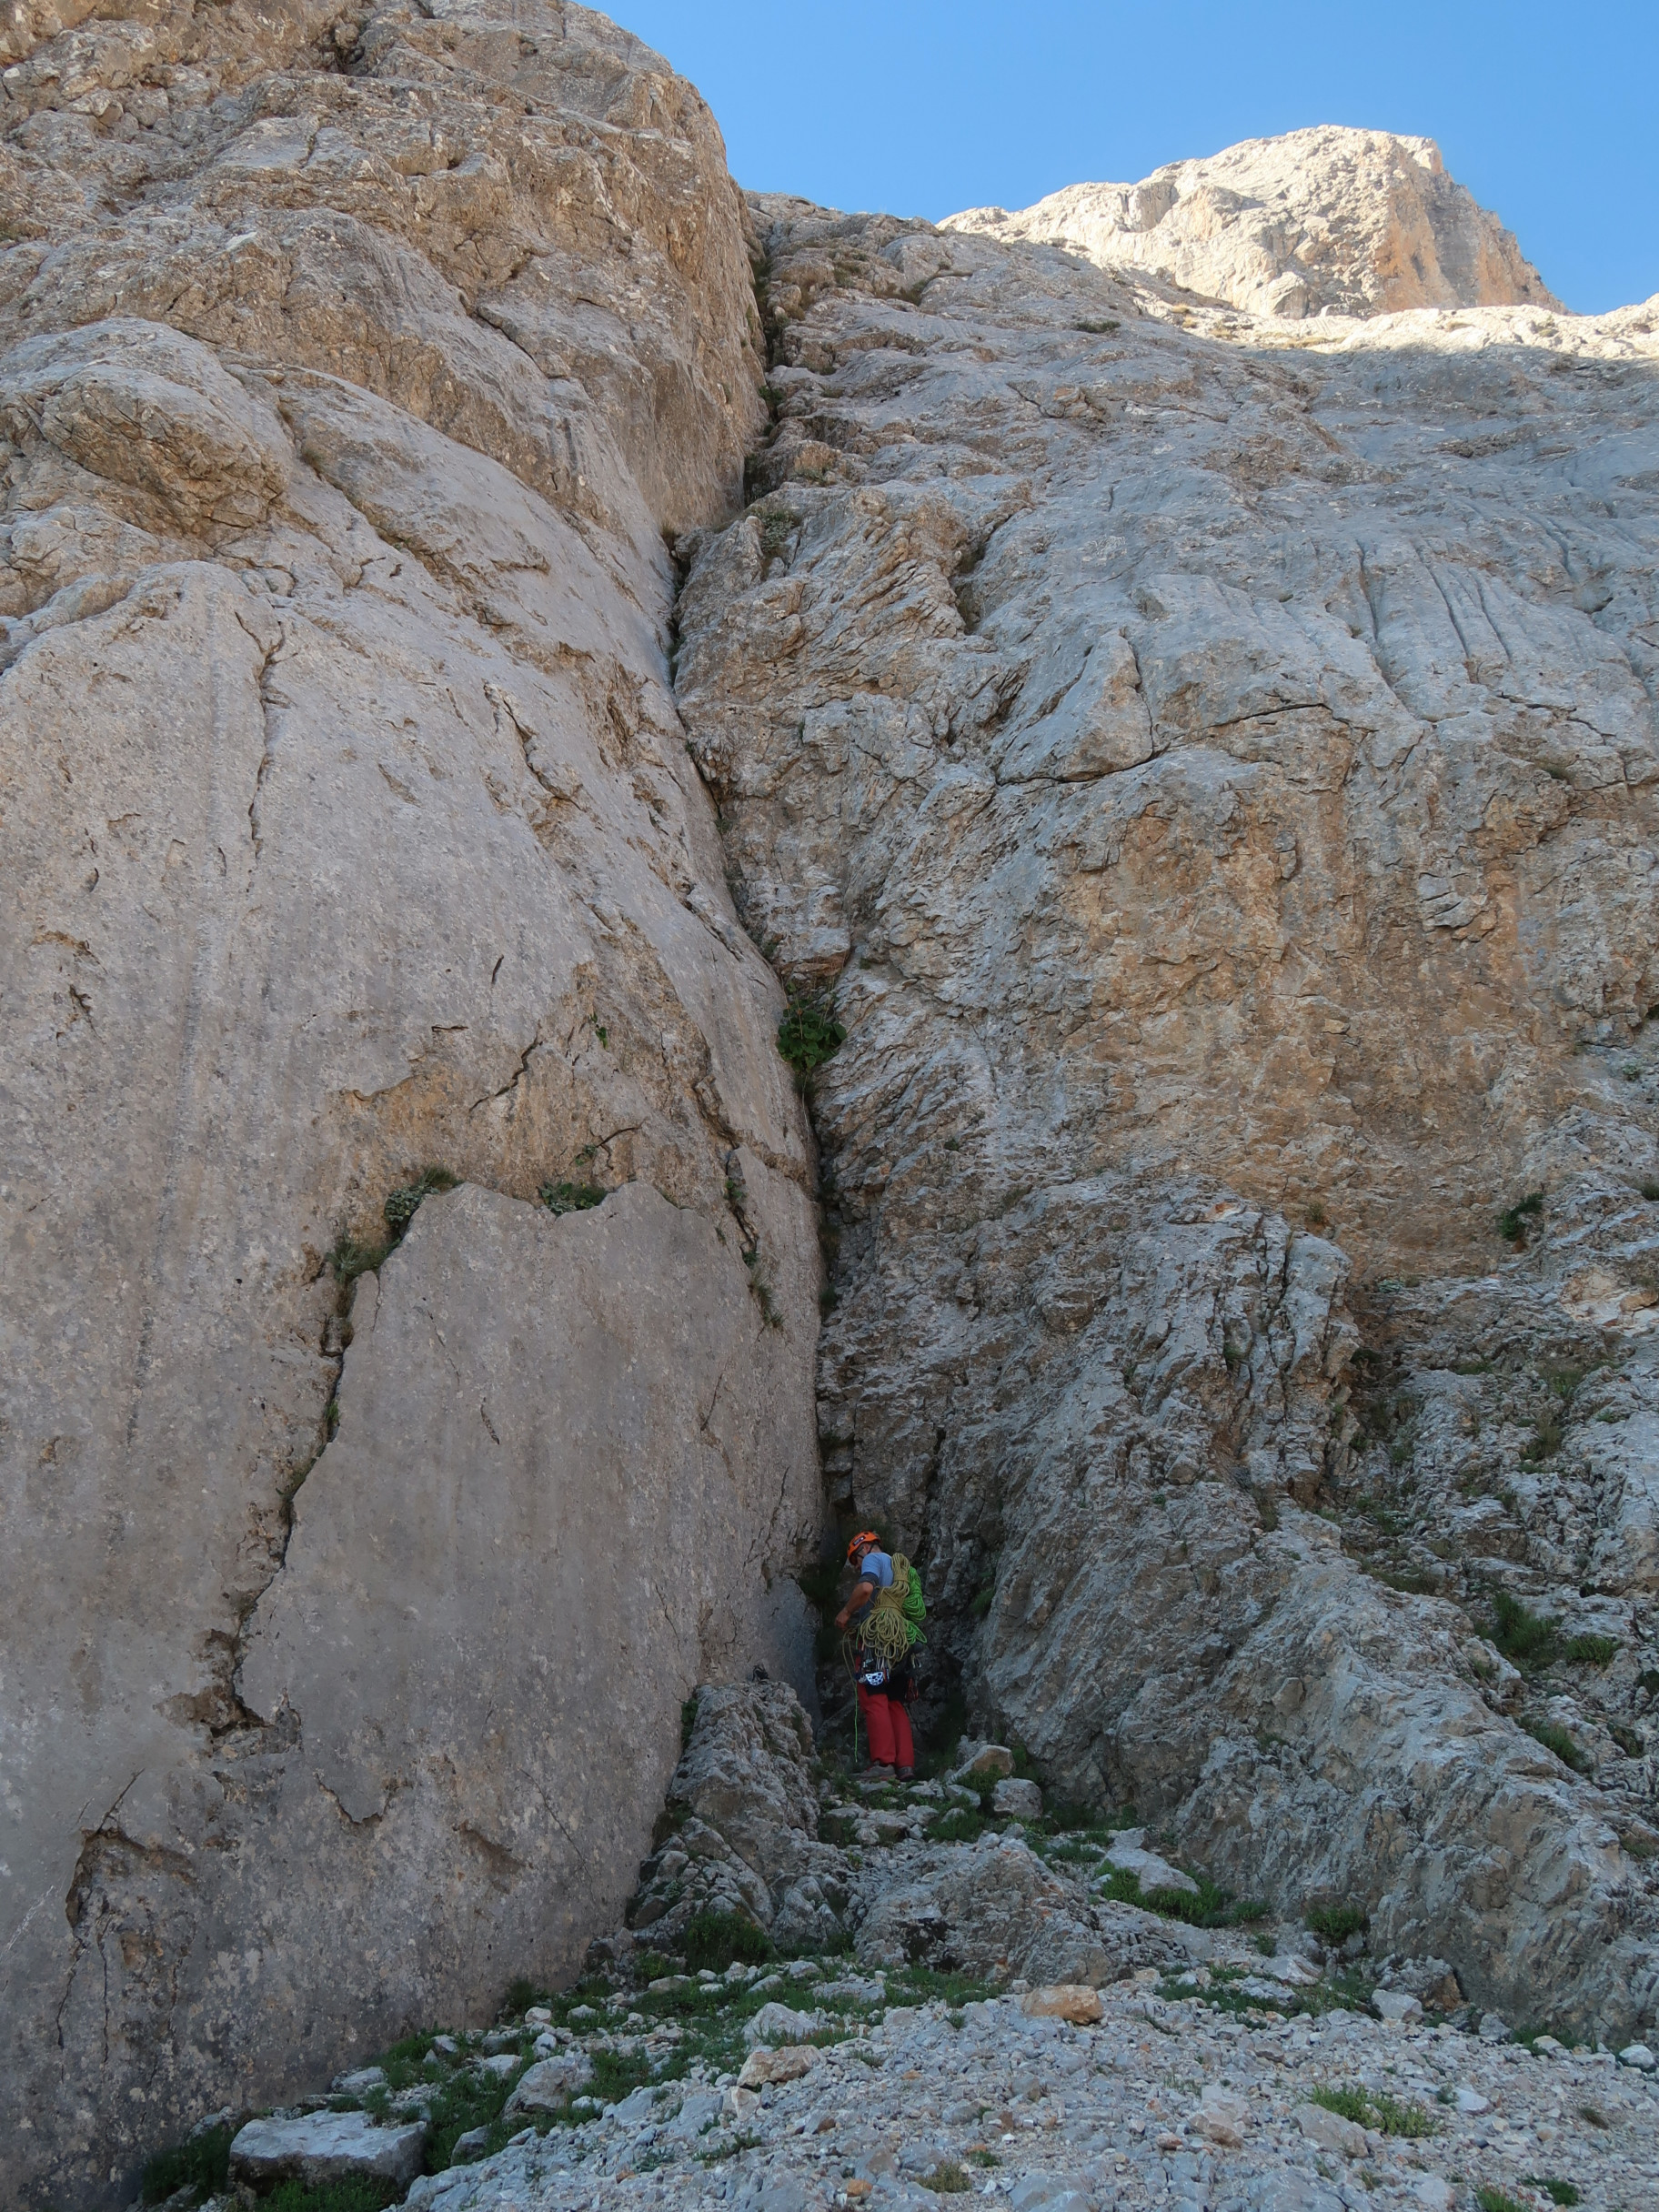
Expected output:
(884, 1634)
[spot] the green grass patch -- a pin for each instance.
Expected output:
(1375, 2109)
(203, 2164)
(1205, 1907)
(1526, 1640)
(948, 2179)
(1334, 1923)
(357, 2194)
(1590, 1651)
(1554, 1737)
(960, 1825)
(465, 2101)
(1558, 2191)
(1491, 2198)
(923, 1986)
(715, 1940)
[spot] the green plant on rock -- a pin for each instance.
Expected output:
(353, 1256)
(1554, 1737)
(357, 2194)
(1491, 2198)
(1205, 1907)
(1334, 1923)
(1513, 1222)
(350, 1257)
(1526, 1640)
(714, 1939)
(521, 1993)
(808, 1034)
(1590, 1651)
(402, 1205)
(1375, 2109)
(1558, 2191)
(202, 2164)
(572, 1197)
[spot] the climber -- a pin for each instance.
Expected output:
(885, 1680)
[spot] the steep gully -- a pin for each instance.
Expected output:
(1196, 1544)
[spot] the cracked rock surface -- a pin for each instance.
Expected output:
(1210, 764)
(352, 363)
(1215, 2068)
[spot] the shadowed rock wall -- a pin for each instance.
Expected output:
(1213, 768)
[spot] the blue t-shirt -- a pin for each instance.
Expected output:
(877, 1568)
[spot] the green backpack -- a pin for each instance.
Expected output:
(913, 1603)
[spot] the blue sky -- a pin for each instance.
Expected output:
(1550, 115)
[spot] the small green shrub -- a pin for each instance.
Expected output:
(960, 1825)
(1492, 2199)
(202, 2164)
(350, 1257)
(713, 1939)
(1347, 2103)
(687, 1722)
(1525, 1639)
(948, 2179)
(1628, 1740)
(1374, 2108)
(358, 2194)
(980, 1603)
(1097, 330)
(1334, 1923)
(1512, 1223)
(1590, 1651)
(1558, 2191)
(521, 1993)
(1649, 1188)
(808, 1034)
(1399, 2116)
(353, 1256)
(1554, 1737)
(1205, 1907)
(402, 1205)
(572, 1197)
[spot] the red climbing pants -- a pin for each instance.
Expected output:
(888, 1726)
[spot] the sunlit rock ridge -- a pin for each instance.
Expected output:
(1319, 222)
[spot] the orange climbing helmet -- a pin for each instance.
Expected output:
(866, 1540)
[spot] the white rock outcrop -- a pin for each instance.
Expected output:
(1321, 221)
(351, 367)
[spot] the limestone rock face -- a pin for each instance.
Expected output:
(1213, 768)
(998, 1909)
(350, 368)
(1346, 222)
